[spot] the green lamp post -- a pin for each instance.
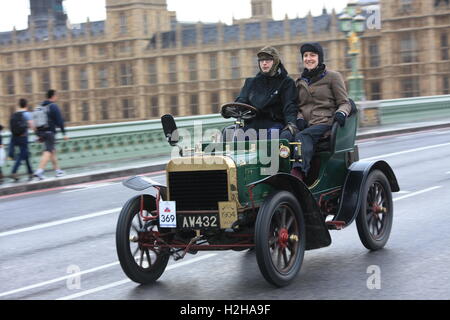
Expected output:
(353, 25)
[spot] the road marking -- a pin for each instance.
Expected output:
(41, 284)
(404, 134)
(150, 174)
(88, 187)
(417, 193)
(60, 222)
(441, 132)
(406, 151)
(121, 282)
(368, 142)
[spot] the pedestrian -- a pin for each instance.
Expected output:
(2, 154)
(20, 122)
(323, 99)
(272, 92)
(47, 117)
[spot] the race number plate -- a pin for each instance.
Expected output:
(167, 214)
(198, 221)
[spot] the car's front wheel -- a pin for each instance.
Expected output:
(140, 263)
(280, 238)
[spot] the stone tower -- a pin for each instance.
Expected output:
(137, 18)
(262, 9)
(45, 11)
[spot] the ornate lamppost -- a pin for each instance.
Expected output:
(352, 23)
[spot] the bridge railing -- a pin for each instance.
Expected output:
(112, 142)
(140, 139)
(405, 110)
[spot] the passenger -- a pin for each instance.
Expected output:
(323, 100)
(273, 93)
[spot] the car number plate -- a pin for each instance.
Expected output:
(198, 221)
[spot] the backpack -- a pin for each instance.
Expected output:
(40, 117)
(18, 124)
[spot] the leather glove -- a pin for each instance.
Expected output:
(301, 124)
(292, 128)
(340, 117)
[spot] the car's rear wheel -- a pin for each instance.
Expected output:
(280, 238)
(374, 220)
(141, 264)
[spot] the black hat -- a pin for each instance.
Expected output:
(313, 47)
(272, 53)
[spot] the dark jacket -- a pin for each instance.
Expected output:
(55, 118)
(275, 97)
(319, 101)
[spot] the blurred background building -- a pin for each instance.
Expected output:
(141, 62)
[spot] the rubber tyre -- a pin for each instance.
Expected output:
(266, 231)
(376, 188)
(127, 261)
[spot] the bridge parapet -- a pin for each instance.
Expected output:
(131, 140)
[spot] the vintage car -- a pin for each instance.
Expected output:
(223, 196)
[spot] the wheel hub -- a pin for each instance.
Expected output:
(283, 237)
(378, 209)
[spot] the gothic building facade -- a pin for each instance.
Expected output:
(141, 62)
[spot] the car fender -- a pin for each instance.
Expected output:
(140, 183)
(317, 234)
(350, 201)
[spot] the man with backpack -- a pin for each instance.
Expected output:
(20, 122)
(46, 118)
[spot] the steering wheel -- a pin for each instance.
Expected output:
(239, 111)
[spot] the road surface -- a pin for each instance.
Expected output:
(60, 243)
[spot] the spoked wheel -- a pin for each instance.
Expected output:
(140, 264)
(280, 238)
(374, 221)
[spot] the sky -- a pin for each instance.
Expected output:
(15, 12)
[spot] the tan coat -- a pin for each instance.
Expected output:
(319, 101)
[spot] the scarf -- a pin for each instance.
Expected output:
(314, 75)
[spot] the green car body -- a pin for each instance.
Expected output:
(238, 195)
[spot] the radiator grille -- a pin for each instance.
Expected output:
(198, 190)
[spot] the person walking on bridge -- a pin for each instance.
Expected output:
(47, 117)
(20, 122)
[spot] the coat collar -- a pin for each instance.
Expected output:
(307, 83)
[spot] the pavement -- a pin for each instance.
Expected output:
(130, 167)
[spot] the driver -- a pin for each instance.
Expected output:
(273, 93)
